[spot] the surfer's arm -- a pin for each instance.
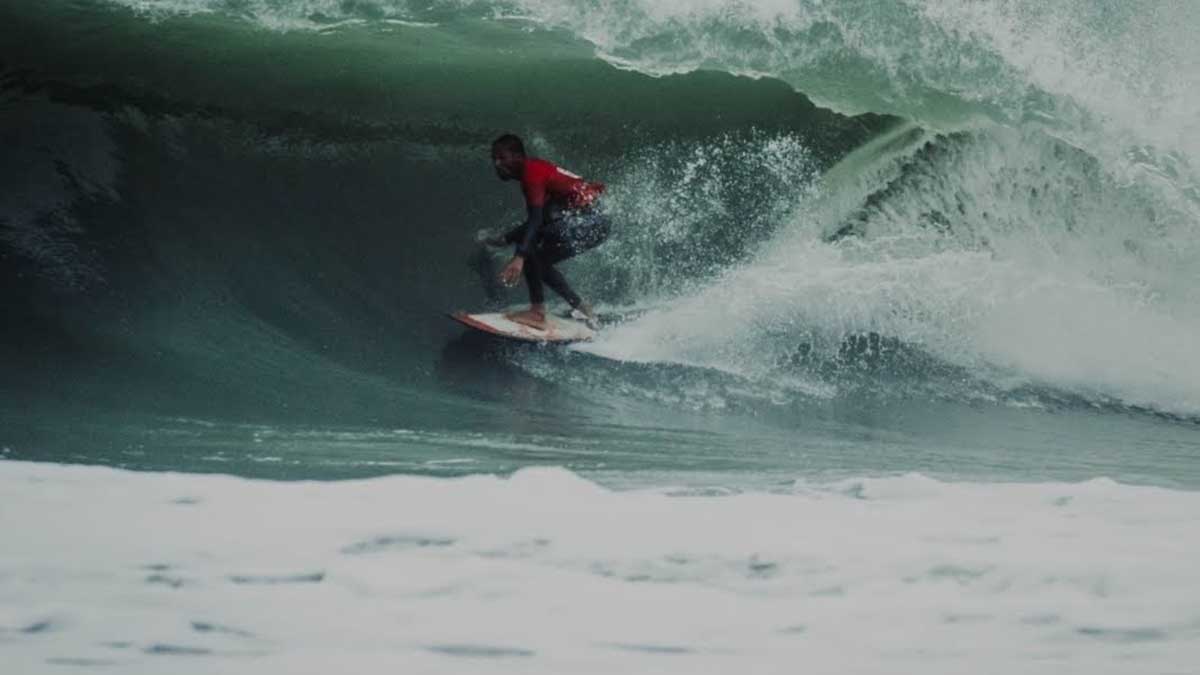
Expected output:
(526, 236)
(534, 187)
(527, 233)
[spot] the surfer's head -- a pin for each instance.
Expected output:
(508, 157)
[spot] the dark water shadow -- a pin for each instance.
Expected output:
(483, 367)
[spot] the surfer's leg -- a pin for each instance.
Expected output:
(566, 238)
(555, 280)
(533, 279)
(554, 249)
(533, 269)
(588, 229)
(562, 238)
(535, 316)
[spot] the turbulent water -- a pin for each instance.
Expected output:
(943, 247)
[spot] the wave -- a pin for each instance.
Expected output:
(1007, 191)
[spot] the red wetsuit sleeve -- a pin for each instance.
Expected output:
(533, 184)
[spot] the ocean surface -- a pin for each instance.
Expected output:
(900, 370)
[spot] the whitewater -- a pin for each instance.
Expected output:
(546, 572)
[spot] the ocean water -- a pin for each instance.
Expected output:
(899, 371)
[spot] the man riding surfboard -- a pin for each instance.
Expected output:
(563, 220)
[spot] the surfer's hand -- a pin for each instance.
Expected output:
(512, 271)
(488, 239)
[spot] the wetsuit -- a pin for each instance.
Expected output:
(564, 221)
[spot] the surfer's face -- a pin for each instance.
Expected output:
(508, 164)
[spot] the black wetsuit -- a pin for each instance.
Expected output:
(564, 233)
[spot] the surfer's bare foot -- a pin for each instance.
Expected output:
(534, 317)
(584, 313)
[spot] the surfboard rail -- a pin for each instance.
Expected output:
(559, 330)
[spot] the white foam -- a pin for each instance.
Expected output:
(412, 24)
(548, 573)
(1089, 289)
(322, 15)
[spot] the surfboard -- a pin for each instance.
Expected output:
(558, 329)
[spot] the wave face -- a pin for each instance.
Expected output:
(252, 214)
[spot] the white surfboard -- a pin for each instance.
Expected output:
(558, 329)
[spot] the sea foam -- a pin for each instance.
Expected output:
(545, 572)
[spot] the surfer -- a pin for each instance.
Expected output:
(563, 220)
